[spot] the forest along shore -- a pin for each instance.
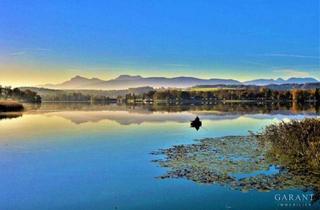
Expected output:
(11, 99)
(203, 95)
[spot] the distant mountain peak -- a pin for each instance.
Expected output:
(279, 81)
(134, 81)
(78, 77)
(302, 80)
(128, 77)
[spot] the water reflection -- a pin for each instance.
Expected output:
(136, 114)
(10, 115)
(88, 149)
(254, 108)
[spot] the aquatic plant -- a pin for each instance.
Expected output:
(283, 156)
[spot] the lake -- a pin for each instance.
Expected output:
(82, 156)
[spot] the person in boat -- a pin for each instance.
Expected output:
(196, 123)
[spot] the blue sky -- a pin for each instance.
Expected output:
(243, 39)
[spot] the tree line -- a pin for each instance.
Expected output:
(254, 94)
(19, 95)
(77, 97)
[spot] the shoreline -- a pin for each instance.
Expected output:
(10, 106)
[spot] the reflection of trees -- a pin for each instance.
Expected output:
(10, 115)
(242, 163)
(230, 108)
(239, 108)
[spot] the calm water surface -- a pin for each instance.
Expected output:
(98, 157)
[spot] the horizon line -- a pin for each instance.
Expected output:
(140, 75)
(207, 78)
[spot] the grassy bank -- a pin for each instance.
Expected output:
(295, 143)
(10, 106)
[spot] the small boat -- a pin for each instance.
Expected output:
(196, 123)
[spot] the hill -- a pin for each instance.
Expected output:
(128, 81)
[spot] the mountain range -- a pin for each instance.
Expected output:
(128, 81)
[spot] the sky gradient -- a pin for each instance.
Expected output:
(44, 41)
